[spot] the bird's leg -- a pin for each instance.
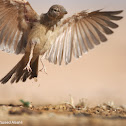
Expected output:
(30, 57)
(43, 66)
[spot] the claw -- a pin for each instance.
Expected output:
(43, 69)
(28, 68)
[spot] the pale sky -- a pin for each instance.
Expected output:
(74, 6)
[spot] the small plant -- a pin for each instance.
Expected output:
(25, 103)
(82, 103)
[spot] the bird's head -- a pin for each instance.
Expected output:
(56, 12)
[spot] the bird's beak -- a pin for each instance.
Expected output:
(65, 12)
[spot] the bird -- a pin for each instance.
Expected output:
(49, 35)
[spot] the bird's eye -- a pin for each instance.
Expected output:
(55, 10)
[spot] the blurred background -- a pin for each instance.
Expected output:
(99, 76)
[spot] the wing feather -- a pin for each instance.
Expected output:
(94, 35)
(65, 45)
(103, 25)
(75, 48)
(79, 50)
(105, 21)
(69, 45)
(13, 15)
(82, 38)
(80, 33)
(98, 29)
(61, 48)
(86, 35)
(55, 51)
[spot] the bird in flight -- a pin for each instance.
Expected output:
(23, 31)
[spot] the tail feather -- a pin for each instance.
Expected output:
(8, 76)
(25, 76)
(34, 67)
(19, 73)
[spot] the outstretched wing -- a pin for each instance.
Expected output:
(16, 17)
(79, 33)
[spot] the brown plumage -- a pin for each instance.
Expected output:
(22, 30)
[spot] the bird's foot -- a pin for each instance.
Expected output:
(43, 69)
(28, 68)
(43, 66)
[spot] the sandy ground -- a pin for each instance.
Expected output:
(64, 115)
(99, 76)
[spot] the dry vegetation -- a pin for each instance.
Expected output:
(65, 114)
